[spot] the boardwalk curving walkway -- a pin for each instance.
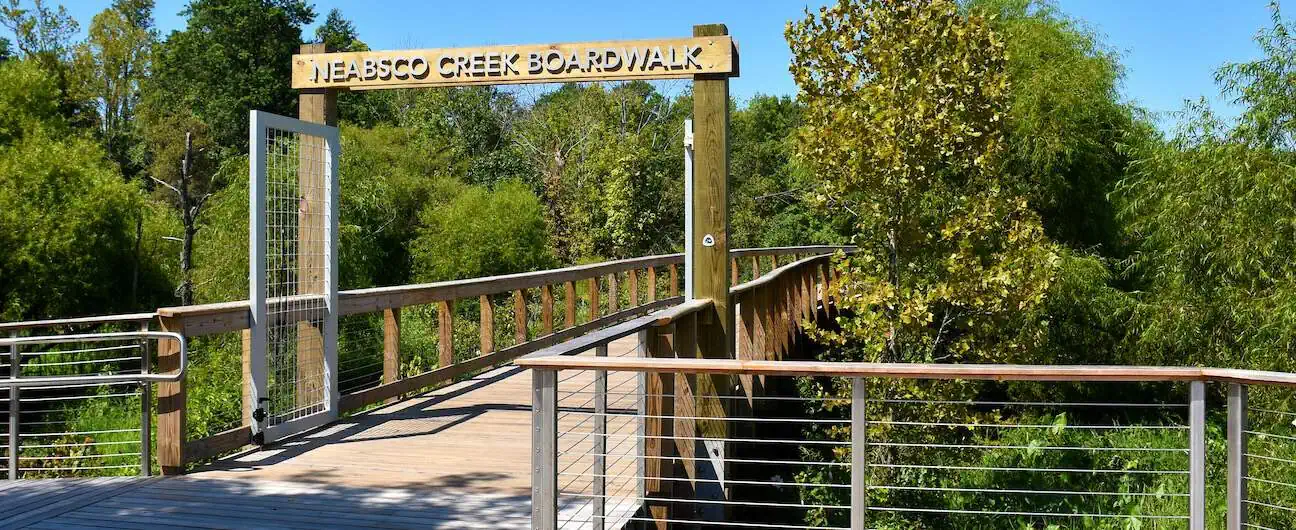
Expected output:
(455, 457)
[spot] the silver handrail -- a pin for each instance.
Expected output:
(17, 381)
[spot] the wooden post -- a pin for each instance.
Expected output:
(594, 299)
(170, 404)
(709, 267)
(445, 328)
(519, 317)
(391, 345)
(316, 106)
(570, 291)
(733, 271)
(487, 324)
(674, 281)
(652, 284)
(546, 309)
(248, 405)
(755, 266)
(632, 278)
(659, 450)
(614, 294)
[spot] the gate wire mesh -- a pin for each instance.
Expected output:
(296, 190)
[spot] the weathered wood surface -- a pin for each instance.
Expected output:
(457, 457)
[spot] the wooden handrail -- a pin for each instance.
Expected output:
(993, 372)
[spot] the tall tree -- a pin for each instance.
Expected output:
(113, 62)
(903, 124)
(232, 57)
(44, 35)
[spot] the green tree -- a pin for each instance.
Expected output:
(482, 233)
(232, 57)
(112, 62)
(44, 35)
(951, 258)
(6, 51)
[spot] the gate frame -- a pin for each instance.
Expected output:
(259, 121)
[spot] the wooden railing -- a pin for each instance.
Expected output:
(606, 286)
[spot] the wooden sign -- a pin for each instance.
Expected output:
(498, 65)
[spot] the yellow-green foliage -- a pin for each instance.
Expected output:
(904, 126)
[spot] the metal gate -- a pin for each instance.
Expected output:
(293, 191)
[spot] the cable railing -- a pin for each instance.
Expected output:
(81, 403)
(661, 438)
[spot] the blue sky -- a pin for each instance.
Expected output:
(1171, 47)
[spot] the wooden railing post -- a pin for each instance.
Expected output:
(733, 271)
(614, 294)
(391, 345)
(755, 266)
(519, 317)
(445, 329)
(652, 284)
(570, 291)
(594, 309)
(674, 280)
(171, 404)
(632, 283)
(659, 448)
(546, 309)
(487, 324)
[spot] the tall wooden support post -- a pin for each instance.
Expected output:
(659, 458)
(708, 269)
(316, 106)
(170, 404)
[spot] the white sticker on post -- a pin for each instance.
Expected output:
(708, 240)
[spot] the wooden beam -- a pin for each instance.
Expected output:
(674, 281)
(171, 406)
(445, 329)
(659, 452)
(614, 293)
(487, 324)
(519, 317)
(594, 306)
(670, 58)
(546, 309)
(652, 283)
(316, 106)
(570, 300)
(391, 345)
(632, 281)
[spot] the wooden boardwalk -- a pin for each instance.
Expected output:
(456, 457)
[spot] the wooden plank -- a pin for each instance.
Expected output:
(391, 344)
(674, 281)
(218, 444)
(519, 317)
(632, 283)
(570, 299)
(652, 283)
(171, 405)
(74, 498)
(1002, 372)
(487, 324)
(246, 383)
(614, 293)
(671, 58)
(733, 271)
(546, 309)
(595, 309)
(445, 333)
(658, 429)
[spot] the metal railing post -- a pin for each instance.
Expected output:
(859, 454)
(544, 452)
(15, 366)
(1237, 460)
(146, 410)
(1197, 456)
(600, 442)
